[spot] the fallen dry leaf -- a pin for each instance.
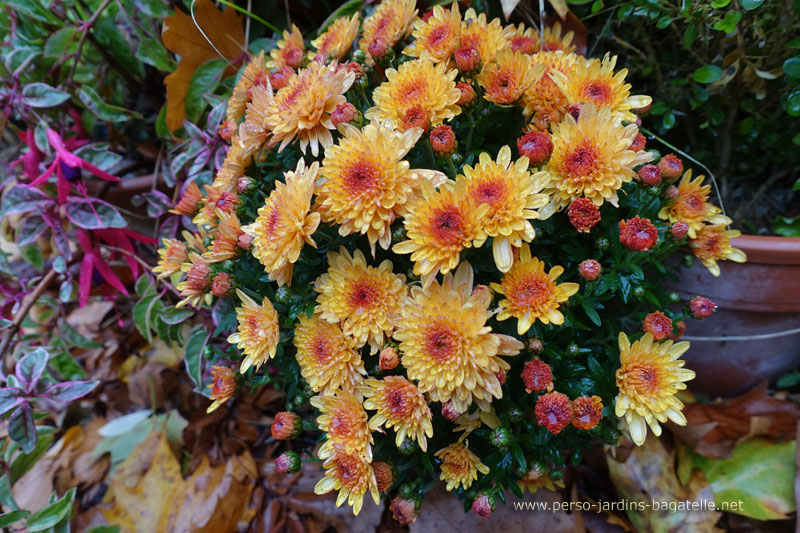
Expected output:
(713, 430)
(148, 493)
(181, 36)
(648, 475)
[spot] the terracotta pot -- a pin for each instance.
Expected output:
(759, 297)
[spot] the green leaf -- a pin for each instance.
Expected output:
(707, 74)
(6, 496)
(143, 315)
(668, 122)
(153, 53)
(33, 255)
(93, 214)
(174, 315)
(6, 519)
(102, 110)
(793, 103)
(155, 8)
(786, 227)
(720, 3)
(591, 313)
(792, 67)
(759, 473)
(76, 339)
(204, 80)
(750, 4)
(193, 355)
(161, 124)
(789, 380)
(52, 514)
(663, 22)
(42, 95)
(109, 35)
(104, 529)
(728, 24)
(21, 199)
(22, 429)
(63, 42)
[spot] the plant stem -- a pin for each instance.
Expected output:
(84, 33)
(27, 303)
(430, 153)
(452, 167)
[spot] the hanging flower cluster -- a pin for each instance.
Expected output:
(429, 231)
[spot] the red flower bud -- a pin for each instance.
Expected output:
(553, 411)
(243, 183)
(583, 214)
(288, 463)
(501, 377)
(535, 345)
(536, 146)
(590, 269)
(484, 504)
(468, 58)
(587, 412)
(702, 307)
(467, 93)
(378, 48)
(245, 241)
(280, 78)
(443, 140)
(671, 166)
(537, 376)
(221, 286)
(449, 411)
(344, 114)
(415, 117)
(639, 143)
(388, 359)
(658, 324)
(227, 129)
(383, 475)
(286, 426)
(638, 234)
(681, 326)
(679, 230)
(672, 192)
(650, 175)
(403, 510)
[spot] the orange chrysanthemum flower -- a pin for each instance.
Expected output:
(460, 466)
(594, 81)
(352, 476)
(290, 51)
(326, 356)
(171, 257)
(416, 87)
(303, 108)
(439, 36)
(544, 102)
(447, 347)
(285, 223)
(238, 158)
(362, 298)
(713, 243)
(366, 183)
(399, 404)
(390, 21)
(513, 194)
(189, 202)
(554, 40)
(691, 205)
(591, 157)
(343, 418)
(505, 79)
(255, 73)
(194, 287)
(531, 293)
(439, 225)
(226, 240)
(257, 334)
(486, 37)
(223, 386)
(337, 40)
(522, 38)
(649, 376)
(217, 200)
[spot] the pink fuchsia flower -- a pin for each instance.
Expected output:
(67, 166)
(92, 259)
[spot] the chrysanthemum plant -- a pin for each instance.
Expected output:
(445, 240)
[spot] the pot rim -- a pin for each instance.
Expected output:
(769, 250)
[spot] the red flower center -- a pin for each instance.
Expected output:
(360, 177)
(448, 226)
(531, 292)
(581, 161)
(363, 295)
(599, 93)
(490, 192)
(440, 342)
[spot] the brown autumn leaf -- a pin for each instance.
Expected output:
(148, 492)
(714, 430)
(648, 475)
(181, 36)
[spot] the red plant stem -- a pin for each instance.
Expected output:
(27, 302)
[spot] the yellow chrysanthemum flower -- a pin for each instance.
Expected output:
(362, 298)
(226, 239)
(217, 200)
(285, 222)
(254, 132)
(290, 51)
(536, 479)
(554, 40)
(194, 287)
(713, 243)
(513, 195)
(343, 418)
(591, 157)
(439, 36)
(257, 334)
(531, 293)
(327, 358)
(594, 81)
(238, 158)
(336, 41)
(447, 346)
(486, 37)
(171, 258)
(303, 108)
(692, 206)
(506, 79)
(649, 376)
(440, 224)
(543, 101)
(418, 90)
(402, 406)
(390, 21)
(366, 184)
(352, 476)
(255, 73)
(460, 466)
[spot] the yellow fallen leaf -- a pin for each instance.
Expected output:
(181, 36)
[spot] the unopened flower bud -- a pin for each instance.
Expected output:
(587, 412)
(383, 475)
(650, 175)
(681, 327)
(378, 48)
(344, 114)
(500, 437)
(483, 504)
(467, 93)
(590, 269)
(639, 143)
(638, 234)
(672, 192)
(443, 140)
(536, 146)
(243, 184)
(537, 376)
(468, 58)
(671, 166)
(573, 349)
(449, 411)
(515, 415)
(658, 325)
(535, 345)
(415, 117)
(280, 78)
(575, 110)
(245, 241)
(286, 426)
(553, 411)
(221, 285)
(403, 510)
(388, 359)
(227, 129)
(583, 214)
(408, 446)
(678, 230)
(359, 56)
(702, 307)
(501, 377)
(288, 463)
